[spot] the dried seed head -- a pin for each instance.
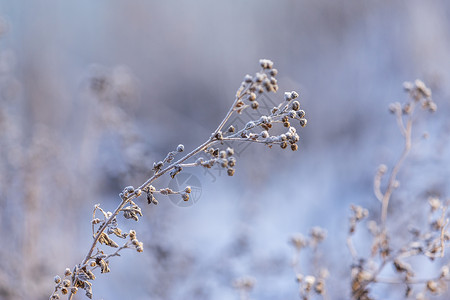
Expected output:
(319, 288)
(138, 192)
(230, 151)
(299, 242)
(301, 113)
(180, 148)
(294, 95)
(432, 286)
(283, 145)
(185, 197)
(287, 96)
(64, 291)
(422, 88)
(264, 119)
(287, 124)
(407, 86)
(248, 78)
(129, 189)
(66, 283)
(294, 147)
(273, 72)
(57, 279)
(223, 154)
(231, 161)
(188, 189)
(255, 104)
(74, 290)
(435, 203)
(303, 122)
(93, 263)
(67, 272)
(444, 271)
(219, 136)
(295, 105)
(309, 280)
(231, 129)
(251, 96)
(266, 63)
(264, 134)
(230, 172)
(292, 114)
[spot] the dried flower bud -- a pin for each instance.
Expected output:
(188, 189)
(266, 63)
(57, 279)
(303, 122)
(185, 197)
(287, 96)
(67, 272)
(66, 283)
(435, 203)
(283, 145)
(407, 86)
(180, 148)
(294, 94)
(273, 72)
(294, 147)
(255, 104)
(74, 290)
(301, 113)
(64, 291)
(432, 286)
(231, 129)
(230, 151)
(230, 172)
(251, 96)
(295, 105)
(138, 192)
(309, 281)
(292, 114)
(248, 78)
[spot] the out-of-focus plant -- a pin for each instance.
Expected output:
(105, 225)
(431, 242)
(369, 270)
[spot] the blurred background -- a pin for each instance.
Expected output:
(93, 92)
